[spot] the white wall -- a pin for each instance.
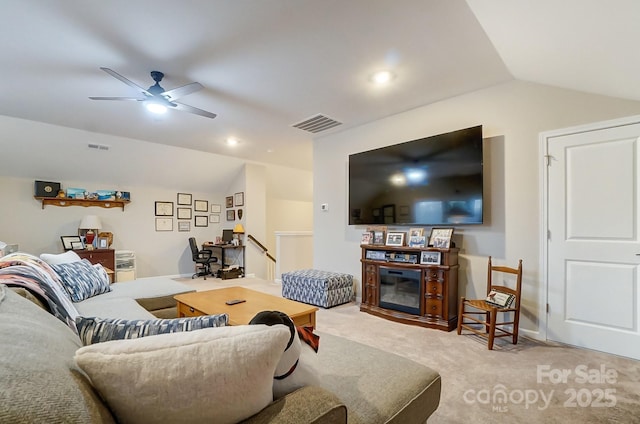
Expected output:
(151, 172)
(513, 115)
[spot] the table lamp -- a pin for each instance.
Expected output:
(238, 229)
(89, 227)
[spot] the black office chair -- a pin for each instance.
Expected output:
(203, 257)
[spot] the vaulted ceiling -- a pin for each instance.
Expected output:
(268, 64)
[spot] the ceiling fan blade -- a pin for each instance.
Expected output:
(176, 93)
(127, 81)
(118, 98)
(191, 109)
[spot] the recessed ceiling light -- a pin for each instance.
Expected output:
(232, 141)
(382, 77)
(155, 107)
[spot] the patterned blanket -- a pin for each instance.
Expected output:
(30, 272)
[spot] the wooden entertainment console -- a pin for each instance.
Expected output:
(438, 285)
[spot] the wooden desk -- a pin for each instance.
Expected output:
(224, 256)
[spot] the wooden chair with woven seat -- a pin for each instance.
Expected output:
(484, 312)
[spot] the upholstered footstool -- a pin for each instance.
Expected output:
(319, 288)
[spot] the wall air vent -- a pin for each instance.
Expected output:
(317, 123)
(98, 146)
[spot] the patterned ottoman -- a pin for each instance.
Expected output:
(320, 288)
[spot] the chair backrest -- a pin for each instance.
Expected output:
(494, 273)
(194, 247)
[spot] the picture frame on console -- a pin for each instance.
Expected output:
(430, 258)
(441, 237)
(71, 242)
(395, 239)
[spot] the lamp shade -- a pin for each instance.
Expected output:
(90, 222)
(238, 229)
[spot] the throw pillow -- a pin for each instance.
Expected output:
(82, 280)
(96, 330)
(61, 258)
(220, 375)
(500, 299)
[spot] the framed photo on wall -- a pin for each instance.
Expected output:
(184, 225)
(216, 208)
(231, 215)
(229, 201)
(201, 206)
(238, 199)
(201, 221)
(184, 213)
(184, 199)
(164, 224)
(164, 208)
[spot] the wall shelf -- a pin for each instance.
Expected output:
(65, 202)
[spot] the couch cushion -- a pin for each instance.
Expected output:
(403, 391)
(96, 330)
(152, 293)
(119, 307)
(60, 258)
(220, 375)
(82, 280)
(39, 381)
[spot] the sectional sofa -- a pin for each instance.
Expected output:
(47, 373)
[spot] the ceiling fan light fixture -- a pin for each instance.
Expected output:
(382, 77)
(156, 108)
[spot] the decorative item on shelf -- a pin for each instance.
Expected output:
(46, 188)
(89, 227)
(237, 230)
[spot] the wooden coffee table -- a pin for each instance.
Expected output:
(212, 302)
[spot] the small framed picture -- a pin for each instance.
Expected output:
(216, 208)
(184, 225)
(394, 239)
(231, 215)
(367, 237)
(102, 243)
(378, 237)
(201, 221)
(68, 240)
(184, 199)
(201, 205)
(214, 219)
(184, 213)
(229, 201)
(430, 258)
(238, 199)
(417, 241)
(164, 224)
(164, 208)
(77, 245)
(441, 237)
(414, 232)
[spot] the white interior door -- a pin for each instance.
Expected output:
(593, 246)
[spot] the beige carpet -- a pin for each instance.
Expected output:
(474, 378)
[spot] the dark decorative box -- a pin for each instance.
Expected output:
(46, 189)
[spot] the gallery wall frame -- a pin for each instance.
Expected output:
(184, 199)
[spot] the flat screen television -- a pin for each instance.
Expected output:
(431, 181)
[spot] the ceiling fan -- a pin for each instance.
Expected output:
(156, 98)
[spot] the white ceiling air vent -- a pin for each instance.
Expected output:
(98, 146)
(317, 123)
